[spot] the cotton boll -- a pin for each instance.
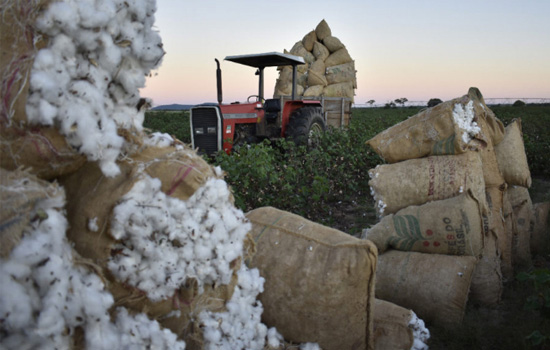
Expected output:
(274, 338)
(15, 307)
(310, 346)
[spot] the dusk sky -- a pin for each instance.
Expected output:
(413, 49)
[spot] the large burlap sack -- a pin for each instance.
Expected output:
(340, 90)
(319, 282)
(417, 181)
(523, 217)
(511, 157)
(320, 52)
(332, 43)
(93, 201)
(450, 226)
(509, 228)
(491, 171)
(284, 88)
(342, 73)
(314, 78)
(318, 67)
(299, 50)
(449, 128)
(398, 328)
(22, 197)
(338, 57)
(309, 40)
(322, 30)
(495, 199)
(40, 149)
(434, 286)
(486, 286)
(313, 91)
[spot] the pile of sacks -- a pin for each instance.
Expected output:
(110, 237)
(450, 203)
(329, 70)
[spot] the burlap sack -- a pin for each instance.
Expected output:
(284, 88)
(299, 50)
(540, 237)
(342, 73)
(319, 282)
(495, 199)
(491, 171)
(391, 326)
(523, 216)
(340, 90)
(41, 150)
(322, 30)
(486, 286)
(450, 226)
(318, 67)
(434, 131)
(313, 91)
(338, 57)
(434, 286)
(509, 228)
(320, 51)
(92, 195)
(418, 181)
(332, 43)
(391, 329)
(286, 74)
(511, 157)
(21, 197)
(314, 78)
(309, 40)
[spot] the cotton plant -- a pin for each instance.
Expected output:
(86, 81)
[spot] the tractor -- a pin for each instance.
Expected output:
(218, 126)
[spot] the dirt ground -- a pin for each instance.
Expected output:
(501, 327)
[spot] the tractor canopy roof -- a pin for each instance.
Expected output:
(269, 59)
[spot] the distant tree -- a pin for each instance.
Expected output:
(519, 103)
(390, 104)
(434, 102)
(401, 101)
(371, 102)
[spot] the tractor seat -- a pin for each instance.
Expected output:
(272, 107)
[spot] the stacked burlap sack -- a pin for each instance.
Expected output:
(329, 69)
(110, 237)
(527, 222)
(441, 231)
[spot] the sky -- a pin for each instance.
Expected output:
(414, 49)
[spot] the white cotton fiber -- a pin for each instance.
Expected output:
(463, 117)
(167, 240)
(87, 81)
(421, 334)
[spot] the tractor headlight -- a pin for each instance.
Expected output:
(199, 131)
(211, 130)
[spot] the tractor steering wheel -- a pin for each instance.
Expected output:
(249, 97)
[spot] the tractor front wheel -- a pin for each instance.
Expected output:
(303, 124)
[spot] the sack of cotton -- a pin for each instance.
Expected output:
(434, 286)
(83, 83)
(449, 128)
(418, 181)
(451, 226)
(511, 157)
(51, 297)
(23, 141)
(319, 282)
(396, 327)
(170, 242)
(522, 206)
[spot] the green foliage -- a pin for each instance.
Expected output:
(175, 123)
(540, 279)
(519, 103)
(535, 122)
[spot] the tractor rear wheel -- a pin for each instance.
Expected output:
(303, 124)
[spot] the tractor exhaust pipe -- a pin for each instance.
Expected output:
(219, 81)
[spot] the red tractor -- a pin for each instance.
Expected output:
(217, 126)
